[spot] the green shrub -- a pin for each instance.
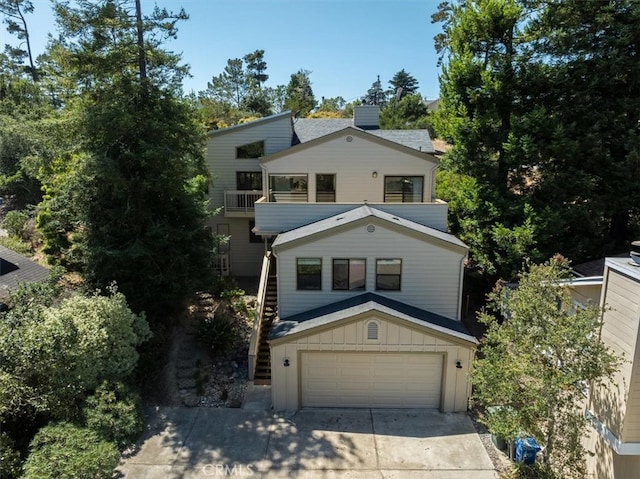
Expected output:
(10, 466)
(219, 332)
(67, 451)
(16, 244)
(114, 411)
(14, 222)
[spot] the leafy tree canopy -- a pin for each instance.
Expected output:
(533, 368)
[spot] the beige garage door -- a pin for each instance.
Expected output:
(384, 380)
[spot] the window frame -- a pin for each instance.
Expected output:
(307, 275)
(257, 174)
(386, 275)
(349, 271)
(318, 200)
(244, 152)
(403, 192)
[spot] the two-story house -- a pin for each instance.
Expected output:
(361, 286)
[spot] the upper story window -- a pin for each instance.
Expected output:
(388, 274)
(325, 188)
(349, 274)
(309, 273)
(289, 188)
(250, 150)
(249, 180)
(403, 189)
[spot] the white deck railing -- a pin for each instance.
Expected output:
(254, 342)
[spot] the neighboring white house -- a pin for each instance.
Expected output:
(614, 410)
(362, 283)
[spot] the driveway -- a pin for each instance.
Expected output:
(199, 443)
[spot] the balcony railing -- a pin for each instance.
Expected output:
(240, 203)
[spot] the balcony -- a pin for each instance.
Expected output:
(240, 204)
(276, 217)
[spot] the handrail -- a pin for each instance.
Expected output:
(254, 343)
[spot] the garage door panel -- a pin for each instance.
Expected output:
(365, 379)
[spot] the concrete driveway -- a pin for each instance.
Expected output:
(321, 443)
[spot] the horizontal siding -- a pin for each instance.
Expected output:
(281, 217)
(245, 257)
(353, 163)
(430, 274)
(619, 406)
(221, 153)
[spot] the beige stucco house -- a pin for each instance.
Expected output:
(360, 293)
(614, 411)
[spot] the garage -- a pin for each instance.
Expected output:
(370, 351)
(378, 380)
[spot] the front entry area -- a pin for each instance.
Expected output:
(371, 379)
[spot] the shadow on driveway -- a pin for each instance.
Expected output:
(319, 443)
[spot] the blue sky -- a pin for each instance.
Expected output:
(344, 43)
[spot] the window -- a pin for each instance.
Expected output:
(372, 330)
(403, 189)
(388, 274)
(250, 150)
(253, 238)
(249, 180)
(349, 274)
(288, 188)
(309, 273)
(325, 188)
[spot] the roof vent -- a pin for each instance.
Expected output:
(349, 138)
(370, 228)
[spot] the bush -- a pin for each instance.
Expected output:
(14, 222)
(10, 466)
(67, 451)
(16, 244)
(114, 411)
(219, 332)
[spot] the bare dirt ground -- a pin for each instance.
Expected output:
(195, 375)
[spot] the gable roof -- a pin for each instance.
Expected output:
(353, 131)
(304, 323)
(362, 212)
(249, 124)
(16, 269)
(308, 129)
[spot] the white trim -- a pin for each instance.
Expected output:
(621, 448)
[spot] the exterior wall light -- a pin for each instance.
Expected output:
(459, 364)
(374, 174)
(287, 363)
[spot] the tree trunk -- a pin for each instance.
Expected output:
(142, 58)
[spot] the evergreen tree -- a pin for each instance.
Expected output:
(403, 84)
(299, 97)
(375, 95)
(138, 211)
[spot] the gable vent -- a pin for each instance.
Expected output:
(371, 228)
(372, 330)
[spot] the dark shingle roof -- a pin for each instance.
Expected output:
(307, 129)
(362, 303)
(15, 269)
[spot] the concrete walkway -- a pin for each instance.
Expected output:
(194, 443)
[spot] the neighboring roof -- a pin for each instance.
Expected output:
(308, 129)
(595, 267)
(358, 213)
(16, 269)
(249, 124)
(358, 132)
(363, 303)
(626, 266)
